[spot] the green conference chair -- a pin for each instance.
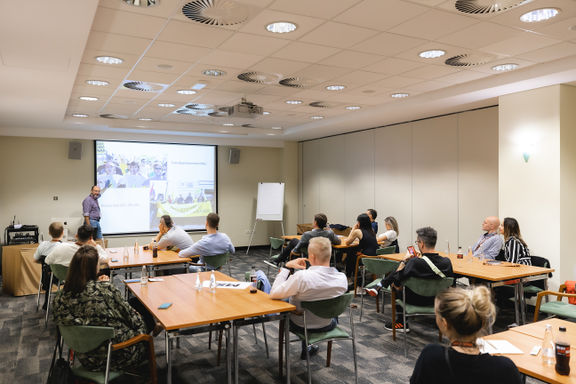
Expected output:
(556, 308)
(422, 287)
(276, 244)
(328, 309)
(386, 250)
(84, 338)
(379, 267)
(215, 261)
(380, 251)
(60, 271)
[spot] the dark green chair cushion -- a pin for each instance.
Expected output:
(559, 308)
(314, 337)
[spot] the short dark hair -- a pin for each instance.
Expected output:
(372, 213)
(167, 221)
(83, 268)
(213, 220)
(84, 233)
(428, 236)
(56, 229)
(94, 186)
(320, 220)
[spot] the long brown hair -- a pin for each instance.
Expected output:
(512, 229)
(83, 268)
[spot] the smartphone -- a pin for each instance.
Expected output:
(412, 251)
(165, 306)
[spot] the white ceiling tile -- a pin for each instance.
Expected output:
(240, 87)
(189, 33)
(520, 44)
(351, 59)
(396, 82)
(425, 86)
(126, 94)
(219, 98)
(326, 9)
(127, 23)
(280, 66)
(278, 90)
(562, 30)
(253, 44)
(393, 66)
(101, 72)
(480, 35)
(162, 8)
(115, 43)
(153, 77)
(462, 77)
(338, 35)
(153, 64)
(433, 24)
(175, 51)
(388, 44)
(431, 72)
(219, 57)
(257, 25)
(380, 15)
(553, 52)
(310, 53)
(320, 73)
(512, 17)
(355, 79)
(311, 94)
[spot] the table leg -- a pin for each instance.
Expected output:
(522, 301)
(516, 302)
(168, 358)
(287, 345)
(228, 355)
(235, 347)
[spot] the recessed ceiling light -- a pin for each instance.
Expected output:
(145, 119)
(166, 105)
(214, 72)
(98, 83)
(88, 98)
(505, 67)
(538, 15)
(293, 101)
(352, 107)
(399, 95)
(276, 128)
(335, 87)
(432, 54)
(317, 117)
(186, 92)
(228, 124)
(109, 60)
(79, 115)
(281, 27)
(265, 113)
(271, 134)
(198, 86)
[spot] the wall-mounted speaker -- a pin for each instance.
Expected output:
(75, 150)
(234, 156)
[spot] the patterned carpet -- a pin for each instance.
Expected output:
(27, 346)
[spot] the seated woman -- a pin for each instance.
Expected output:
(390, 237)
(367, 244)
(461, 314)
(91, 300)
(515, 249)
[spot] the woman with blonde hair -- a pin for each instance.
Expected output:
(461, 315)
(390, 237)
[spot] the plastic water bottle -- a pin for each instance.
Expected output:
(548, 346)
(212, 282)
(136, 249)
(154, 249)
(144, 276)
(125, 255)
(198, 282)
(253, 280)
(562, 352)
(470, 254)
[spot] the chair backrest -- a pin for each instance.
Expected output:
(539, 261)
(217, 261)
(379, 266)
(396, 246)
(329, 308)
(60, 271)
(85, 338)
(428, 287)
(276, 243)
(386, 250)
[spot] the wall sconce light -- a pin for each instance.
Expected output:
(526, 156)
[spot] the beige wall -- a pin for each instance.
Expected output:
(441, 172)
(36, 169)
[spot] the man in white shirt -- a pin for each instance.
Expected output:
(171, 235)
(63, 253)
(213, 243)
(318, 282)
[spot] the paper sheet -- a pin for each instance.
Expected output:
(227, 284)
(498, 347)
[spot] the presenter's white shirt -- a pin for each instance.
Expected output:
(63, 253)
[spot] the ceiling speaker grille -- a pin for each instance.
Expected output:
(143, 86)
(259, 77)
(296, 82)
(215, 12)
(484, 7)
(467, 60)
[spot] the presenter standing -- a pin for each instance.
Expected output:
(91, 211)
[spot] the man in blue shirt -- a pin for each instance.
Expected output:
(490, 243)
(91, 211)
(213, 243)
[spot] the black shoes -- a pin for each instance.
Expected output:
(312, 350)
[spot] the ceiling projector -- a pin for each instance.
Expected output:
(244, 109)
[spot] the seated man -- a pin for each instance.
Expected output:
(214, 243)
(62, 254)
(319, 229)
(171, 235)
(319, 282)
(426, 264)
(56, 231)
(490, 243)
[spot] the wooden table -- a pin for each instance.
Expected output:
(191, 308)
(525, 338)
(495, 275)
(143, 258)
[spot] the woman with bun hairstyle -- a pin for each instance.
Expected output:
(461, 315)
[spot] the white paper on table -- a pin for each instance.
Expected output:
(228, 284)
(498, 347)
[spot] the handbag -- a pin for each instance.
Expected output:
(60, 371)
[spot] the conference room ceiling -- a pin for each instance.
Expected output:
(371, 47)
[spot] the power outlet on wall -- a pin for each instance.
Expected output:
(55, 198)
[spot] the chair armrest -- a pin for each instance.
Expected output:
(151, 354)
(132, 341)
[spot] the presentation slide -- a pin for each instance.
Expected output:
(140, 182)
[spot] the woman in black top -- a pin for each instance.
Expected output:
(461, 314)
(367, 244)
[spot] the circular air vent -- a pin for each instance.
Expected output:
(484, 7)
(215, 12)
(219, 113)
(259, 77)
(296, 82)
(184, 111)
(320, 104)
(143, 86)
(467, 60)
(199, 107)
(113, 116)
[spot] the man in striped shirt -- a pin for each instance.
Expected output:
(490, 243)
